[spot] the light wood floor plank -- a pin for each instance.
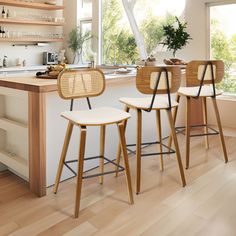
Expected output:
(84, 229)
(6, 229)
(205, 207)
(209, 208)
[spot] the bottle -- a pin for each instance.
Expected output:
(3, 13)
(8, 13)
(0, 31)
(4, 61)
(3, 32)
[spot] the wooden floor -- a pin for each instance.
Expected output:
(206, 207)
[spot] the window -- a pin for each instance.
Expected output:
(122, 44)
(86, 27)
(85, 24)
(223, 43)
(86, 9)
(127, 30)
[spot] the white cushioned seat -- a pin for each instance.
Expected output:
(161, 102)
(97, 116)
(206, 91)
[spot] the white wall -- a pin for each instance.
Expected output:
(227, 112)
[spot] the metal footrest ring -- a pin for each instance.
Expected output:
(120, 168)
(146, 144)
(181, 129)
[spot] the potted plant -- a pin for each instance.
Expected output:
(175, 36)
(76, 41)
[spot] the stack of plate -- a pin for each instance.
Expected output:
(51, 2)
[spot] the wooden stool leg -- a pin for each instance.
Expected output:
(63, 155)
(204, 106)
(187, 134)
(159, 131)
(220, 129)
(138, 150)
(174, 117)
(80, 169)
(102, 151)
(178, 156)
(126, 161)
(119, 147)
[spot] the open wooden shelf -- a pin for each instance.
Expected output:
(47, 40)
(15, 162)
(28, 22)
(40, 6)
(9, 125)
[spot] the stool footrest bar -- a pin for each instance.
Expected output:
(214, 131)
(157, 153)
(120, 168)
(146, 144)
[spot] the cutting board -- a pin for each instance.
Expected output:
(46, 77)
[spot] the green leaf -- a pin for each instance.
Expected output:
(175, 38)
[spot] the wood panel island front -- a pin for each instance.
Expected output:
(29, 93)
(32, 130)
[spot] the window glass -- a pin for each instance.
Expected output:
(223, 43)
(147, 16)
(86, 28)
(86, 11)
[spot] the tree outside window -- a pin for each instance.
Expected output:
(223, 43)
(132, 29)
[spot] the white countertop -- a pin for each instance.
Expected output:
(117, 75)
(34, 68)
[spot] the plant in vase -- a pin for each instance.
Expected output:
(76, 41)
(175, 36)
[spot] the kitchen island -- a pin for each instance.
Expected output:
(32, 130)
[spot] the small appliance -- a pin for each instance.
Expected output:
(50, 58)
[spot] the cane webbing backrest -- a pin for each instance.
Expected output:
(147, 77)
(80, 83)
(195, 70)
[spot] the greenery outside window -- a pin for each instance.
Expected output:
(86, 27)
(119, 40)
(85, 15)
(223, 43)
(128, 30)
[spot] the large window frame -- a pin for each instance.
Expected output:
(208, 19)
(81, 20)
(208, 33)
(96, 20)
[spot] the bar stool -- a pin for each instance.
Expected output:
(202, 75)
(73, 84)
(154, 80)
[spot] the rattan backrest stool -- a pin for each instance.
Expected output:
(201, 76)
(160, 81)
(86, 83)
